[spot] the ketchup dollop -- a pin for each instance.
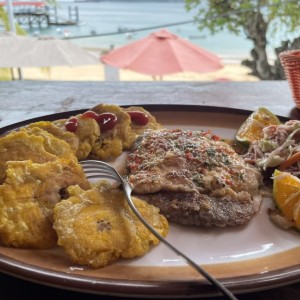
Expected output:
(139, 117)
(72, 124)
(90, 114)
(106, 121)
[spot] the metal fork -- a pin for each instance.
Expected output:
(99, 169)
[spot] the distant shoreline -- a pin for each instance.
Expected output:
(101, 21)
(173, 1)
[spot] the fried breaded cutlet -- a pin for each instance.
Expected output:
(97, 226)
(194, 178)
(88, 133)
(27, 199)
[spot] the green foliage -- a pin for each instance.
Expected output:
(258, 20)
(52, 2)
(5, 74)
(5, 21)
(4, 17)
(235, 14)
(19, 30)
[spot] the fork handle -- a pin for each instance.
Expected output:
(198, 268)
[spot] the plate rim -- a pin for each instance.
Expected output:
(149, 289)
(150, 107)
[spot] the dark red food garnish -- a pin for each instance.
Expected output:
(72, 124)
(215, 137)
(107, 121)
(90, 114)
(139, 117)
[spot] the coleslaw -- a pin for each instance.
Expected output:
(278, 144)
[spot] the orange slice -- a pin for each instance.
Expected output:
(251, 129)
(286, 194)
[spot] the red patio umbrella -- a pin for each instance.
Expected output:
(162, 53)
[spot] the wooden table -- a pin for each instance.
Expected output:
(26, 99)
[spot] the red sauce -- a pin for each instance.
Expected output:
(72, 124)
(107, 121)
(139, 117)
(90, 114)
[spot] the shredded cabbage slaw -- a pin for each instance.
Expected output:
(278, 144)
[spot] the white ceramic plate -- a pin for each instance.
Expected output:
(247, 258)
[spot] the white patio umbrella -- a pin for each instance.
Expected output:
(27, 52)
(10, 44)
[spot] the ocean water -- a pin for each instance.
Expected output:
(111, 16)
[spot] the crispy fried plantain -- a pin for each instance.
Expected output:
(96, 227)
(22, 146)
(69, 137)
(124, 133)
(52, 144)
(140, 238)
(22, 221)
(88, 132)
(119, 136)
(90, 232)
(107, 149)
(27, 199)
(139, 129)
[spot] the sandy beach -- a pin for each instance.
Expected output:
(230, 72)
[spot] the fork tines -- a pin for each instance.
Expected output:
(98, 169)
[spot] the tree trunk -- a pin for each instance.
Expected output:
(256, 29)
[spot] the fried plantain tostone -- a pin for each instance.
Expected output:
(139, 129)
(69, 137)
(96, 227)
(113, 141)
(88, 132)
(124, 133)
(28, 197)
(22, 146)
(52, 144)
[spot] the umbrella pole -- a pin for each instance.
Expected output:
(159, 77)
(12, 74)
(20, 74)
